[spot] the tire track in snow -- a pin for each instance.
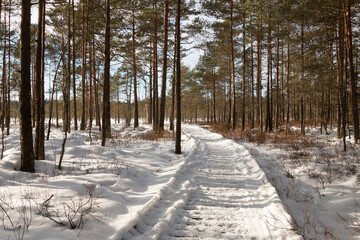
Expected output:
(222, 194)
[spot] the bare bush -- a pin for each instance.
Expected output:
(16, 216)
(73, 213)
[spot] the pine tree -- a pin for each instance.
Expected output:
(26, 142)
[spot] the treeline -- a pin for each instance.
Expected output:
(77, 44)
(266, 64)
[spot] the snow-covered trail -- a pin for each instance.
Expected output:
(220, 194)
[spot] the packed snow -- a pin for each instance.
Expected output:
(140, 189)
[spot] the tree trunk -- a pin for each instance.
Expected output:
(277, 100)
(302, 81)
(252, 118)
(172, 114)
(136, 107)
(3, 80)
(164, 67)
(39, 150)
(259, 76)
(234, 117)
(84, 66)
(288, 80)
(268, 121)
(353, 80)
(213, 94)
(91, 76)
(73, 64)
(155, 75)
(8, 101)
(244, 70)
(150, 116)
(26, 142)
(178, 80)
(106, 127)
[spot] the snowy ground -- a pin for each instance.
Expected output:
(139, 189)
(316, 180)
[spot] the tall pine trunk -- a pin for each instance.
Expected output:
(178, 80)
(26, 143)
(164, 67)
(106, 127)
(353, 80)
(84, 66)
(39, 149)
(73, 64)
(302, 81)
(155, 75)
(234, 117)
(136, 107)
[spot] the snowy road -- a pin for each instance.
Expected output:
(219, 193)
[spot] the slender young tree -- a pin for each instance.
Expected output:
(26, 142)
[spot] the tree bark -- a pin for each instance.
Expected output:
(244, 70)
(155, 75)
(172, 114)
(302, 81)
(234, 117)
(73, 64)
(164, 67)
(178, 80)
(106, 127)
(84, 68)
(353, 80)
(258, 76)
(26, 142)
(288, 80)
(268, 121)
(39, 150)
(136, 107)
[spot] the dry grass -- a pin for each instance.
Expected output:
(157, 136)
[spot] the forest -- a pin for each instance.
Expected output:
(277, 73)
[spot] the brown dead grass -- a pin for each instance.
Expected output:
(158, 136)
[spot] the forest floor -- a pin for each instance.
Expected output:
(138, 188)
